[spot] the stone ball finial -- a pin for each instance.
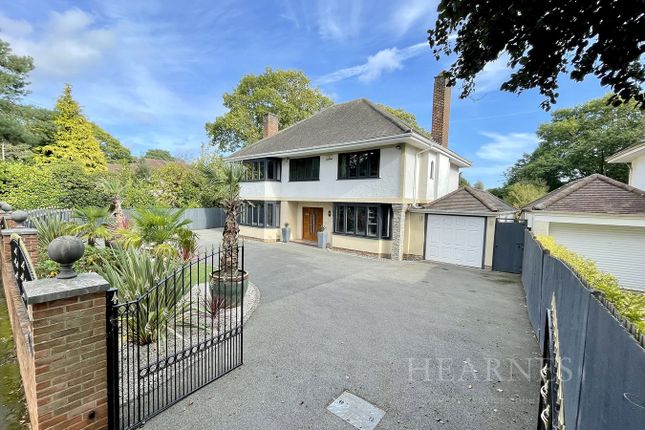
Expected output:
(19, 218)
(6, 207)
(66, 250)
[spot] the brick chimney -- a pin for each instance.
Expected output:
(270, 125)
(440, 109)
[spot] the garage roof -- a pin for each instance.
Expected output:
(467, 200)
(594, 194)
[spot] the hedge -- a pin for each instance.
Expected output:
(629, 304)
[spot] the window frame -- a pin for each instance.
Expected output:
(257, 169)
(314, 166)
(383, 220)
(254, 213)
(348, 161)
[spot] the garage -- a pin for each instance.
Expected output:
(455, 239)
(617, 250)
(460, 227)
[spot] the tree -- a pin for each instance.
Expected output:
(285, 93)
(543, 39)
(520, 194)
(232, 204)
(159, 154)
(463, 182)
(577, 142)
(111, 147)
(13, 74)
(479, 185)
(93, 224)
(74, 136)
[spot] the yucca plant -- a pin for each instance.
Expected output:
(50, 227)
(93, 224)
(232, 204)
(155, 286)
(116, 189)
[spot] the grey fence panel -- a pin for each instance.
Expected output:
(572, 303)
(201, 218)
(613, 389)
(532, 281)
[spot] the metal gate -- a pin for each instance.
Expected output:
(509, 245)
(184, 332)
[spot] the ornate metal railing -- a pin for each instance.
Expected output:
(22, 267)
(179, 335)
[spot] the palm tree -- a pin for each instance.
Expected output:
(116, 189)
(93, 224)
(163, 231)
(230, 180)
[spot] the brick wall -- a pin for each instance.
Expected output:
(440, 110)
(61, 350)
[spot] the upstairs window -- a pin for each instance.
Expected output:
(267, 169)
(304, 169)
(359, 165)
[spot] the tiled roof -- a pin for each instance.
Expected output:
(594, 194)
(629, 153)
(350, 122)
(467, 199)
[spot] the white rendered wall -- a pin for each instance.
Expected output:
(637, 174)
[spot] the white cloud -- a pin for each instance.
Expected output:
(408, 14)
(506, 148)
(68, 44)
(493, 75)
(339, 19)
(384, 61)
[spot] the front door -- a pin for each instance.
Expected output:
(312, 219)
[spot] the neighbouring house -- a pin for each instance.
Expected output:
(599, 218)
(354, 170)
(634, 157)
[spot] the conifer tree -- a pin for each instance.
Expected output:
(74, 138)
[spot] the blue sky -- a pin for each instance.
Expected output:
(153, 72)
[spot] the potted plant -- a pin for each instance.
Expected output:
(322, 237)
(286, 232)
(229, 282)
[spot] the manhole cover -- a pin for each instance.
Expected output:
(356, 411)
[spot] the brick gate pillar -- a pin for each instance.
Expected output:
(69, 352)
(398, 231)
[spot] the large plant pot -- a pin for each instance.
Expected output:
(322, 239)
(230, 289)
(286, 234)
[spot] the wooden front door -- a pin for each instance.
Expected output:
(312, 219)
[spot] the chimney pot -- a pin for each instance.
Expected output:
(441, 109)
(271, 125)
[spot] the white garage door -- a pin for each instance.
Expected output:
(617, 250)
(455, 239)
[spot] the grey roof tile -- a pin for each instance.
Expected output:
(468, 199)
(594, 194)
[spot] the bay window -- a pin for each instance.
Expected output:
(366, 220)
(260, 214)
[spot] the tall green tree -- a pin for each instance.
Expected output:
(544, 39)
(520, 194)
(577, 142)
(159, 154)
(74, 137)
(285, 93)
(14, 71)
(113, 149)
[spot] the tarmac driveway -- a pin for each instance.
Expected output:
(434, 346)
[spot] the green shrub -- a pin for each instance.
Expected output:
(134, 272)
(629, 304)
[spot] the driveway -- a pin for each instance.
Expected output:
(434, 346)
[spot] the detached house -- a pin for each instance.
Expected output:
(354, 170)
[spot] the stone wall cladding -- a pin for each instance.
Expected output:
(398, 231)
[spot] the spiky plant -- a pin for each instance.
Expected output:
(50, 227)
(93, 224)
(232, 204)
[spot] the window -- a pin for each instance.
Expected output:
(366, 220)
(359, 165)
(304, 169)
(260, 214)
(267, 169)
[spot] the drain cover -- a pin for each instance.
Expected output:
(356, 411)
